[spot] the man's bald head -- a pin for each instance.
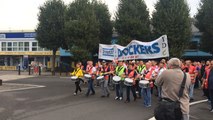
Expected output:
(174, 63)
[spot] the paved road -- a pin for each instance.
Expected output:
(56, 102)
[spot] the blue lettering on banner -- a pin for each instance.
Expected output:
(125, 51)
(156, 48)
(108, 52)
(142, 49)
(131, 50)
(136, 49)
(139, 49)
(148, 49)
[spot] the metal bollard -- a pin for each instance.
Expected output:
(66, 71)
(39, 70)
(0, 82)
(29, 68)
(60, 68)
(19, 70)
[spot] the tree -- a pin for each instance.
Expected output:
(205, 24)
(172, 19)
(50, 30)
(132, 21)
(82, 29)
(87, 25)
(103, 17)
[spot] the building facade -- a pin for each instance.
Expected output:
(21, 48)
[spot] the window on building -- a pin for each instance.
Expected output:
(3, 47)
(21, 46)
(34, 46)
(15, 46)
(9, 46)
(26, 46)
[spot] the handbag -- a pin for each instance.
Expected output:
(168, 109)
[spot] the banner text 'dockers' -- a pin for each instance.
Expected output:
(139, 49)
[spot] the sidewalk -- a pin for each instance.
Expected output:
(13, 75)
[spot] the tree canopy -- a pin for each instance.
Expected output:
(172, 19)
(103, 17)
(132, 21)
(50, 30)
(87, 24)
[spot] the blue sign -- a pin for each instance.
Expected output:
(18, 35)
(108, 52)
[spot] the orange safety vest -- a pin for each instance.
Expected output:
(192, 73)
(106, 77)
(131, 75)
(90, 72)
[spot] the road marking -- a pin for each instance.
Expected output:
(26, 88)
(65, 77)
(198, 102)
(193, 103)
(193, 117)
(14, 77)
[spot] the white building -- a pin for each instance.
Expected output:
(21, 47)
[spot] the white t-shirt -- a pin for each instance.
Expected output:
(93, 69)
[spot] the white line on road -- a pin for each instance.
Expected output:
(65, 77)
(193, 103)
(198, 102)
(26, 88)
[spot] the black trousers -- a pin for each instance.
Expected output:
(128, 88)
(137, 88)
(211, 97)
(77, 86)
(206, 93)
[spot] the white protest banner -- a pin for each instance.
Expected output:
(106, 52)
(136, 50)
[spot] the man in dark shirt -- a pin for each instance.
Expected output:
(209, 77)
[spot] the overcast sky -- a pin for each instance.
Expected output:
(22, 14)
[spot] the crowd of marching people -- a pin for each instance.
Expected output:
(139, 78)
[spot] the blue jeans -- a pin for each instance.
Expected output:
(90, 87)
(191, 90)
(146, 92)
(119, 89)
